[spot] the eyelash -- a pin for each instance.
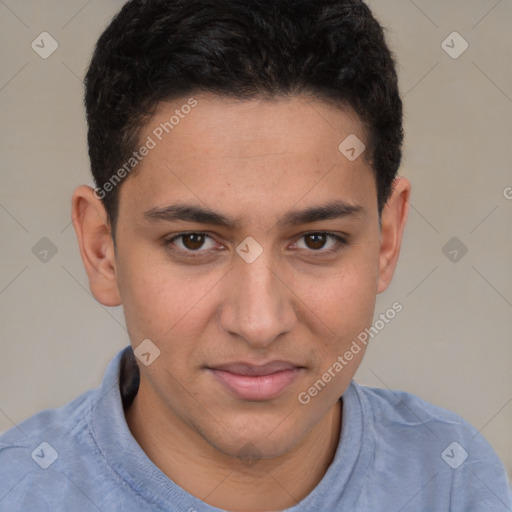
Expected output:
(341, 242)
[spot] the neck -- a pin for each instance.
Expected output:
(227, 482)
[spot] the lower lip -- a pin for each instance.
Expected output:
(256, 387)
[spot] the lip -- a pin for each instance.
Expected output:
(256, 382)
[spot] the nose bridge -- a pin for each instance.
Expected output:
(258, 307)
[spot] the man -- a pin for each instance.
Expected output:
(247, 211)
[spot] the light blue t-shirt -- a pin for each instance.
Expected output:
(396, 453)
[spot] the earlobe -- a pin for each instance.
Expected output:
(96, 245)
(394, 218)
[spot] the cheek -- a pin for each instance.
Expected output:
(344, 300)
(163, 303)
(345, 307)
(145, 299)
(145, 291)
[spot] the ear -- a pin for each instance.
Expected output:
(393, 220)
(96, 245)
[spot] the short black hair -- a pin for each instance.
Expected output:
(162, 50)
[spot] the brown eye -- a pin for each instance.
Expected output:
(193, 241)
(315, 240)
(323, 243)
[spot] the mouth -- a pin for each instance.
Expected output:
(256, 382)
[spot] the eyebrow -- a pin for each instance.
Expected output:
(193, 213)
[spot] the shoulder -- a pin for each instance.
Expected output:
(420, 441)
(394, 410)
(401, 407)
(49, 422)
(57, 460)
(49, 425)
(63, 423)
(32, 452)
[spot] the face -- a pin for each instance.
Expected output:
(248, 250)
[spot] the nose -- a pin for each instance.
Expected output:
(258, 304)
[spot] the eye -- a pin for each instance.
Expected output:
(317, 241)
(191, 242)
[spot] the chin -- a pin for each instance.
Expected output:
(249, 438)
(251, 450)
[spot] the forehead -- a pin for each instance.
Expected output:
(248, 154)
(235, 127)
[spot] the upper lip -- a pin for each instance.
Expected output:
(269, 368)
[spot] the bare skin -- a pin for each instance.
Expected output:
(301, 302)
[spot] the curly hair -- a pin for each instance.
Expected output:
(162, 50)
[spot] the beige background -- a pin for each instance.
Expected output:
(451, 344)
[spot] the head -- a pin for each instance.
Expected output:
(230, 218)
